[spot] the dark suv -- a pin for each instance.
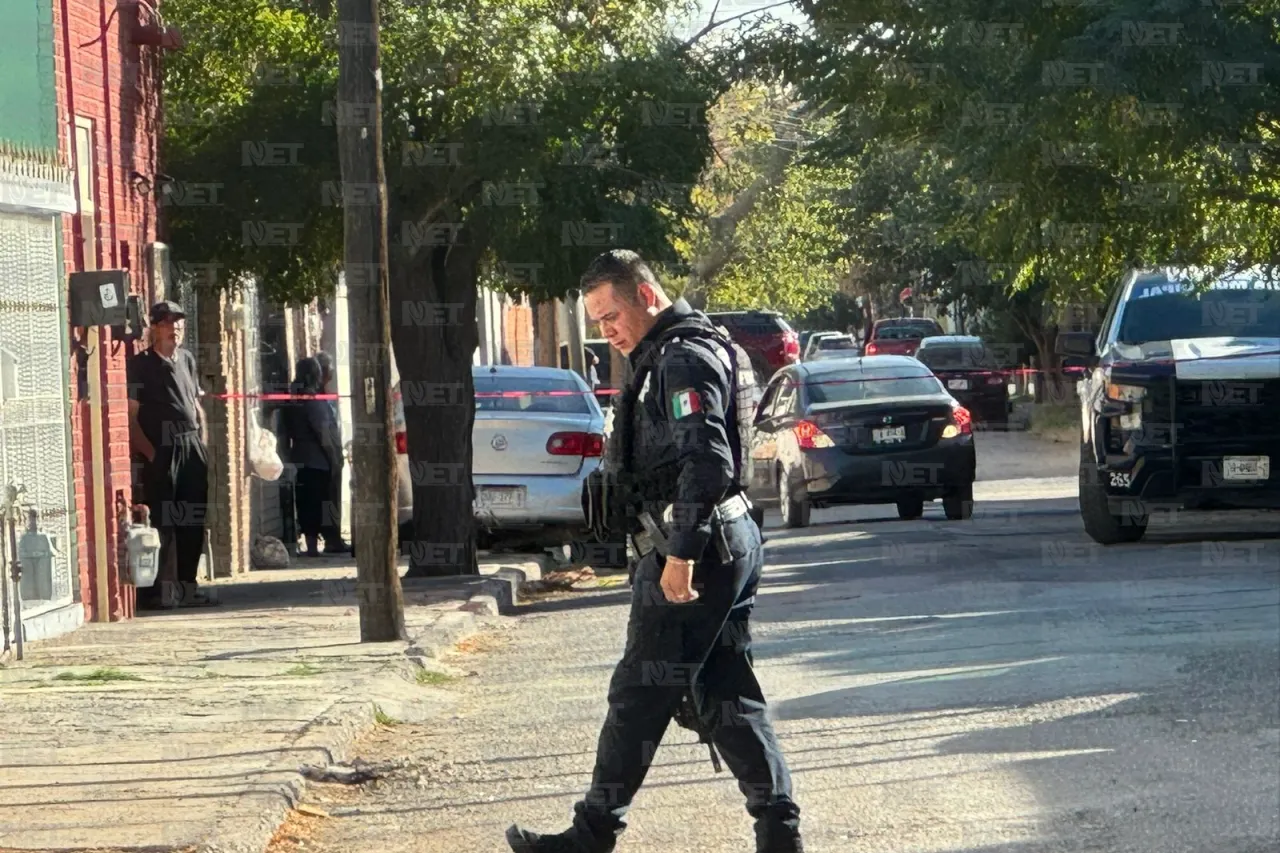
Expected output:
(1180, 400)
(765, 335)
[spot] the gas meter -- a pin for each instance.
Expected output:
(35, 555)
(143, 546)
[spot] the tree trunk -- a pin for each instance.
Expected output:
(1052, 385)
(547, 351)
(434, 293)
(365, 241)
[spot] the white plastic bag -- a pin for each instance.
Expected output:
(263, 458)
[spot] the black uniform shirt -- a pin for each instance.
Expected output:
(681, 452)
(167, 391)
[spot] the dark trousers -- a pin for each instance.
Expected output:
(705, 644)
(175, 486)
(311, 494)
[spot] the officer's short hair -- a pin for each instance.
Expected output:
(622, 268)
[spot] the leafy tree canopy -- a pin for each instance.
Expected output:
(1065, 140)
(542, 132)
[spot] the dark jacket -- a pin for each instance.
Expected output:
(677, 433)
(313, 437)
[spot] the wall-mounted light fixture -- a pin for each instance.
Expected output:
(140, 183)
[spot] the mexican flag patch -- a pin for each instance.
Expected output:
(685, 403)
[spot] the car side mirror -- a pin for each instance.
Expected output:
(1077, 344)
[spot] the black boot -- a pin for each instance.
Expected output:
(526, 841)
(778, 829)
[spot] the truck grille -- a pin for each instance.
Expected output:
(1233, 410)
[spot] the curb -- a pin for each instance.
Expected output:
(249, 822)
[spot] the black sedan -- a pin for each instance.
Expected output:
(972, 374)
(872, 430)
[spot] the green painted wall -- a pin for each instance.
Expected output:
(28, 96)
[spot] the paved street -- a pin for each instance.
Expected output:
(993, 686)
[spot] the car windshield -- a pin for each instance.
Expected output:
(836, 343)
(1167, 311)
(969, 356)
(531, 394)
(905, 331)
(856, 385)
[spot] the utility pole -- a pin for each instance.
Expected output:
(373, 517)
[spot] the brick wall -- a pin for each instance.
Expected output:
(101, 77)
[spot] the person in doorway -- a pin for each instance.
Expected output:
(314, 448)
(688, 649)
(167, 429)
(331, 521)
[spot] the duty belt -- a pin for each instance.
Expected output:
(653, 536)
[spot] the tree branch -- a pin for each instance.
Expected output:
(714, 24)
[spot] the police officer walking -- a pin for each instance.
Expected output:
(688, 649)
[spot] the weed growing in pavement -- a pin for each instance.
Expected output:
(382, 718)
(427, 678)
(101, 675)
(303, 669)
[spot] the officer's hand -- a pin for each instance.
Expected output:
(677, 581)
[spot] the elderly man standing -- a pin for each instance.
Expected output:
(167, 428)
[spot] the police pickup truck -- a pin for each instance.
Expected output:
(1180, 404)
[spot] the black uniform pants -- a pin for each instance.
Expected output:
(176, 490)
(707, 644)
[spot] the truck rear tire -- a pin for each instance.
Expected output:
(1102, 525)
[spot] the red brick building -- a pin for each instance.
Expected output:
(107, 80)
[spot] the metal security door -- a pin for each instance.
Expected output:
(34, 447)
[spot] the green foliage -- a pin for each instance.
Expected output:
(546, 132)
(1064, 141)
(787, 254)
(765, 233)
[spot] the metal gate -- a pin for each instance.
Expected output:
(34, 441)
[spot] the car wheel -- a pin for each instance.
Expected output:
(1102, 525)
(958, 504)
(910, 508)
(795, 513)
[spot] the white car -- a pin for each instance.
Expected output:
(832, 346)
(538, 434)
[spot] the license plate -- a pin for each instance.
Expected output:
(491, 497)
(1246, 468)
(889, 435)
(958, 384)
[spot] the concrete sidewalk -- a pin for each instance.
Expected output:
(186, 730)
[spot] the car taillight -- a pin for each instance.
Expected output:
(810, 437)
(961, 423)
(872, 349)
(995, 379)
(402, 443)
(585, 444)
(791, 344)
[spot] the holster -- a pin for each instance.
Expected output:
(687, 717)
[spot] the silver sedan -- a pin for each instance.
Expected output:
(538, 434)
